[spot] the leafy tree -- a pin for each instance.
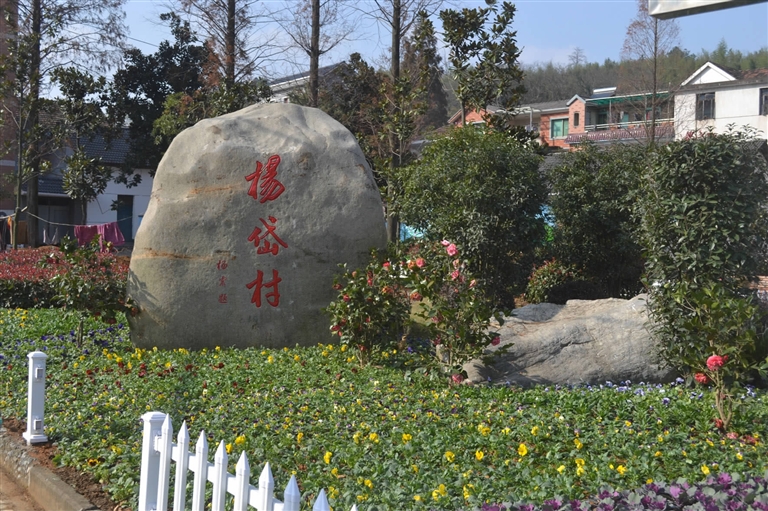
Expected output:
(182, 110)
(484, 55)
(82, 118)
(592, 196)
(703, 219)
(48, 34)
(139, 89)
(421, 63)
(483, 191)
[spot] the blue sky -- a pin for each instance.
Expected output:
(546, 30)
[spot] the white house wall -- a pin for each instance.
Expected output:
(738, 106)
(100, 210)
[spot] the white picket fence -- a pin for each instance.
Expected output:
(158, 450)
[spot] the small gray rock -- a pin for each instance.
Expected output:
(249, 217)
(581, 342)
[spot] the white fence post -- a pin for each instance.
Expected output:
(150, 461)
(219, 479)
(164, 445)
(36, 399)
(182, 468)
(201, 472)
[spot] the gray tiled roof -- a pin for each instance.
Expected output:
(48, 184)
(112, 152)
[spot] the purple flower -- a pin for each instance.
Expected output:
(724, 478)
(665, 401)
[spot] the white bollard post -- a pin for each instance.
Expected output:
(150, 461)
(36, 399)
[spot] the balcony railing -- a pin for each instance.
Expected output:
(623, 131)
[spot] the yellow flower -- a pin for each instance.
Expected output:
(327, 457)
(705, 470)
(649, 481)
(535, 431)
(296, 358)
(240, 440)
(270, 359)
(739, 456)
(506, 431)
(468, 490)
(407, 438)
(657, 453)
(229, 448)
(561, 469)
(522, 450)
(344, 348)
(335, 472)
(621, 469)
(578, 443)
(449, 456)
(580, 462)
(483, 429)
(415, 469)
(218, 348)
(580, 471)
(374, 437)
(479, 455)
(368, 483)
(627, 423)
(417, 498)
(299, 437)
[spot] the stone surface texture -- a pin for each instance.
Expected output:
(232, 252)
(581, 342)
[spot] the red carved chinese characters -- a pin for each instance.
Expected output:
(223, 298)
(273, 298)
(263, 245)
(264, 183)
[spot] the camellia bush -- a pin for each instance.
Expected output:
(703, 208)
(372, 310)
(482, 190)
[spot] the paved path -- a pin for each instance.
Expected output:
(13, 497)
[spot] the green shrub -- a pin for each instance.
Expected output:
(593, 193)
(555, 282)
(703, 209)
(483, 191)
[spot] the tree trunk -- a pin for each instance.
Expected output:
(229, 64)
(652, 134)
(393, 224)
(314, 54)
(34, 119)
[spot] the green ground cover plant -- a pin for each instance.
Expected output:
(386, 436)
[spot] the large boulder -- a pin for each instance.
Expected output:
(581, 342)
(249, 217)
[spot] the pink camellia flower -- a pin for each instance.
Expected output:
(445, 243)
(732, 436)
(715, 362)
(701, 378)
(457, 378)
(386, 265)
(472, 283)
(346, 298)
(370, 281)
(416, 297)
(455, 275)
(420, 262)
(719, 423)
(452, 250)
(496, 340)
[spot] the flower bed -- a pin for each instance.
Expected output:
(390, 435)
(25, 282)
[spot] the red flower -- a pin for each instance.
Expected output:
(337, 286)
(452, 250)
(386, 265)
(345, 298)
(719, 423)
(701, 378)
(715, 362)
(496, 340)
(457, 378)
(370, 281)
(420, 262)
(416, 297)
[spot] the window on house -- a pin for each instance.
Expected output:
(763, 101)
(558, 128)
(576, 119)
(705, 106)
